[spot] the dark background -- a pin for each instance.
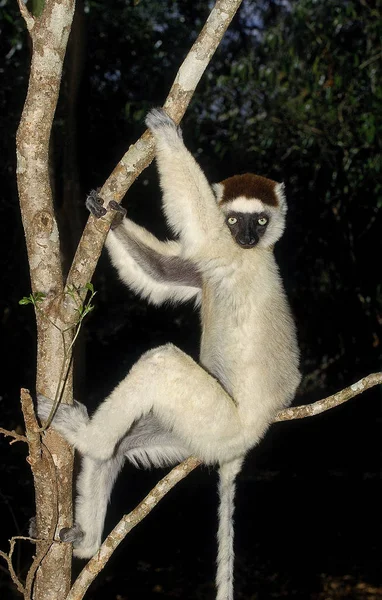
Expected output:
(293, 93)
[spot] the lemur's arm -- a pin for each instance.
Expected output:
(188, 200)
(151, 268)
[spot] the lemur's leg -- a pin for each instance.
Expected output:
(182, 396)
(94, 486)
(148, 444)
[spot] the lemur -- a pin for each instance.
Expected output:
(168, 406)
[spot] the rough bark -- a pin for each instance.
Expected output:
(51, 465)
(70, 194)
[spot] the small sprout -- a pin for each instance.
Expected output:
(33, 298)
(90, 287)
(85, 309)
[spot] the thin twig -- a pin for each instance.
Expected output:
(43, 547)
(8, 559)
(17, 437)
(310, 410)
(26, 15)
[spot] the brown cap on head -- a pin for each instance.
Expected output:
(250, 186)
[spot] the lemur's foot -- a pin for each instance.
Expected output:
(73, 534)
(82, 546)
(68, 420)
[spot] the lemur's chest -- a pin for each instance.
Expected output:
(231, 323)
(232, 293)
(238, 314)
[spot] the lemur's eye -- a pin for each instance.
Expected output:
(231, 220)
(262, 221)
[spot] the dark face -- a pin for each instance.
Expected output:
(247, 228)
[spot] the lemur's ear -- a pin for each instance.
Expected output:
(218, 189)
(281, 199)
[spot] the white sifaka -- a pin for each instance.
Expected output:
(168, 407)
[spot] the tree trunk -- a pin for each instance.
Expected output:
(49, 34)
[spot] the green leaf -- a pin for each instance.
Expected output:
(90, 287)
(33, 298)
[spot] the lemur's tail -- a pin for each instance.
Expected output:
(224, 576)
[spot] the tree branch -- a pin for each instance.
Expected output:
(26, 590)
(17, 437)
(49, 32)
(49, 35)
(26, 15)
(128, 522)
(8, 559)
(52, 461)
(140, 154)
(311, 410)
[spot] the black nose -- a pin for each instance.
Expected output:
(247, 242)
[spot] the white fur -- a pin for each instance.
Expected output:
(248, 369)
(94, 485)
(280, 193)
(244, 205)
(135, 277)
(188, 200)
(218, 189)
(224, 576)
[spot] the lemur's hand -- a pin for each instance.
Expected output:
(120, 213)
(94, 204)
(159, 122)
